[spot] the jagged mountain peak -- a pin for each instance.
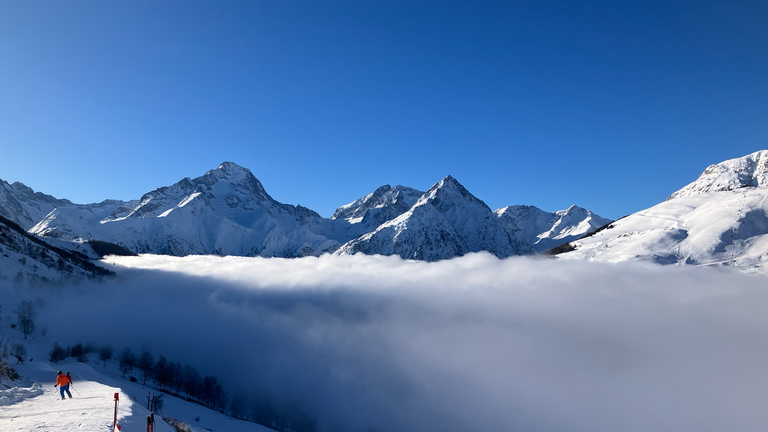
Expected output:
(229, 167)
(747, 171)
(446, 191)
(397, 199)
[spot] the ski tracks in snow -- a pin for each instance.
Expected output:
(93, 410)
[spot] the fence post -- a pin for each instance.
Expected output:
(115, 426)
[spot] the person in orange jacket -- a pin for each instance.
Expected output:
(63, 383)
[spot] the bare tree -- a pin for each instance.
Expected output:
(146, 365)
(126, 361)
(105, 353)
(27, 315)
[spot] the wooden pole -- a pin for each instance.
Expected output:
(115, 427)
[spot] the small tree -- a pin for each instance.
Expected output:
(146, 364)
(192, 382)
(163, 373)
(105, 353)
(58, 353)
(155, 402)
(27, 315)
(126, 361)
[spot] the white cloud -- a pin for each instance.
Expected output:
(474, 343)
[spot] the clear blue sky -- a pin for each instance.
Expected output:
(609, 105)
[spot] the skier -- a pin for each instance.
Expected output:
(19, 360)
(63, 383)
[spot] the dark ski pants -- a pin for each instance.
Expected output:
(65, 388)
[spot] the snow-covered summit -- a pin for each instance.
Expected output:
(544, 230)
(383, 204)
(447, 221)
(225, 211)
(747, 171)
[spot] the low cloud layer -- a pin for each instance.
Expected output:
(473, 343)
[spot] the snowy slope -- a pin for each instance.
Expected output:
(748, 171)
(27, 258)
(447, 221)
(721, 219)
(33, 404)
(544, 230)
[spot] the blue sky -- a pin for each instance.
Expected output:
(609, 105)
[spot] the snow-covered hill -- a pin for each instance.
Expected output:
(31, 403)
(28, 258)
(748, 171)
(720, 219)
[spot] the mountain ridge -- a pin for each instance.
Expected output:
(227, 211)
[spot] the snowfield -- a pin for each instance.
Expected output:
(34, 404)
(697, 226)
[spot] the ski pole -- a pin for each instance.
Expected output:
(73, 388)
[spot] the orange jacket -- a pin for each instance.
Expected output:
(62, 380)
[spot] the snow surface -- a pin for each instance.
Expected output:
(33, 403)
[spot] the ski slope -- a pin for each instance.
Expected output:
(34, 404)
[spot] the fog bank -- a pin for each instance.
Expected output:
(473, 343)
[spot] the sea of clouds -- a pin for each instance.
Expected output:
(469, 344)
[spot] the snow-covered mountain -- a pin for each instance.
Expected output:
(446, 221)
(748, 171)
(720, 219)
(380, 206)
(543, 230)
(22, 205)
(227, 211)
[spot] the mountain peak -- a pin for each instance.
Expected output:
(230, 168)
(747, 171)
(448, 187)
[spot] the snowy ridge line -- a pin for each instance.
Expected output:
(227, 211)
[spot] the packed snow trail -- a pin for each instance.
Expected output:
(37, 405)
